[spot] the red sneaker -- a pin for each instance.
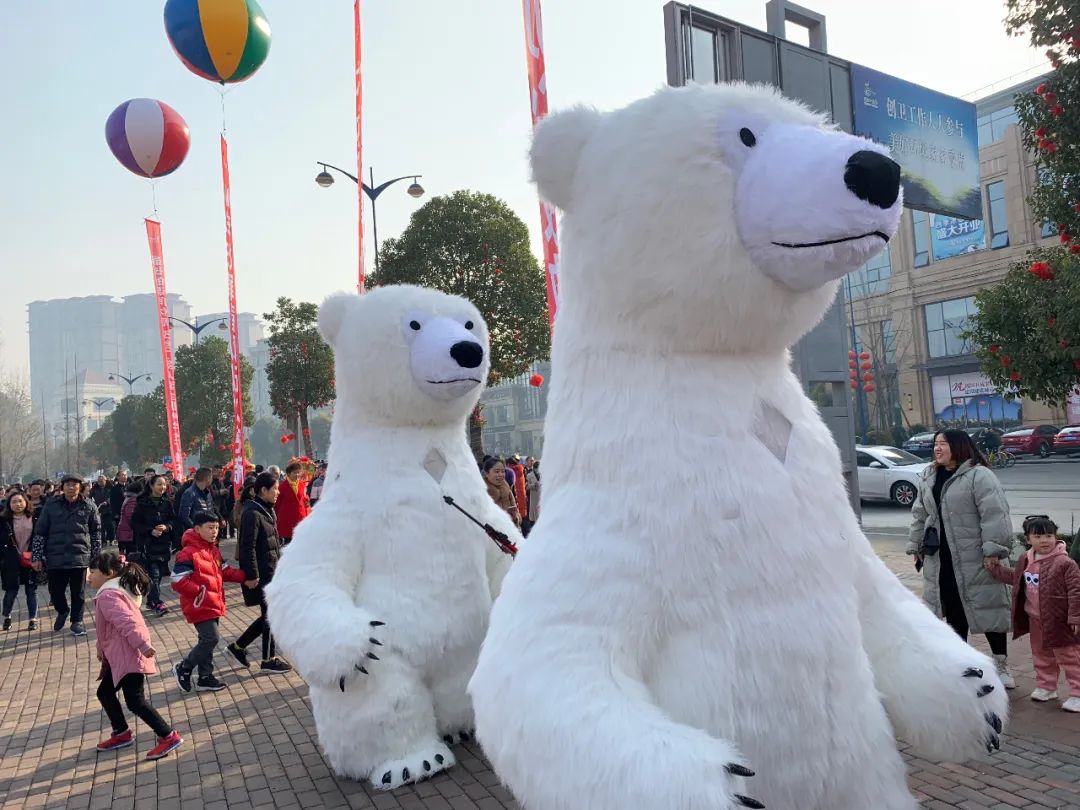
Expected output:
(164, 746)
(121, 740)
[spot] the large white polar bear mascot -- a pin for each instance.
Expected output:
(698, 602)
(382, 598)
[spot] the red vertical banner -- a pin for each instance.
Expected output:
(234, 328)
(359, 146)
(538, 104)
(172, 418)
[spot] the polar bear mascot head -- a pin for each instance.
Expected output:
(405, 356)
(715, 217)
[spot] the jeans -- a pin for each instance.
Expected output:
(259, 627)
(202, 654)
(60, 581)
(132, 684)
(31, 600)
(155, 569)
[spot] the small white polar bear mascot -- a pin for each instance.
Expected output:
(699, 603)
(382, 598)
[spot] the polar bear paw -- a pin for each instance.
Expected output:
(367, 655)
(739, 800)
(993, 720)
(463, 736)
(416, 767)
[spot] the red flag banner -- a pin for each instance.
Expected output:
(234, 329)
(172, 418)
(359, 146)
(538, 103)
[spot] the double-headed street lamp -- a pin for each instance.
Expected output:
(221, 322)
(415, 190)
(130, 380)
(98, 403)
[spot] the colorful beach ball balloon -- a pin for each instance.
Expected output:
(224, 41)
(148, 137)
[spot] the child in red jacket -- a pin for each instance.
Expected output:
(199, 577)
(1046, 602)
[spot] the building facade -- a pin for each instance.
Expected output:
(911, 305)
(514, 414)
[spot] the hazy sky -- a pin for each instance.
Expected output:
(446, 96)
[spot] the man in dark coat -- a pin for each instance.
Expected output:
(66, 537)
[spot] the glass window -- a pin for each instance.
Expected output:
(888, 342)
(703, 61)
(920, 231)
(1047, 228)
(992, 126)
(872, 278)
(946, 322)
(999, 219)
(864, 459)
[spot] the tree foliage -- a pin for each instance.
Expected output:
(301, 367)
(1027, 329)
(134, 433)
(471, 244)
(20, 429)
(204, 398)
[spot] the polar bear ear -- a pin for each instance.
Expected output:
(556, 147)
(333, 312)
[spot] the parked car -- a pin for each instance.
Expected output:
(1068, 440)
(889, 473)
(1035, 440)
(921, 445)
(986, 438)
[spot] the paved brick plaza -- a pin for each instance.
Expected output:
(253, 745)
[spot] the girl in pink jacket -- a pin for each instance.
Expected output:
(125, 652)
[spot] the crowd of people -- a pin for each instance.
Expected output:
(515, 486)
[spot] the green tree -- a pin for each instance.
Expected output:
(301, 367)
(472, 245)
(138, 430)
(100, 447)
(20, 429)
(204, 398)
(1027, 330)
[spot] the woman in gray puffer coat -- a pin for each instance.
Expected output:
(960, 519)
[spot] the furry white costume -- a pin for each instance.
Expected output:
(383, 548)
(698, 602)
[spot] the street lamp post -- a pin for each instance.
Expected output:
(196, 330)
(130, 380)
(415, 190)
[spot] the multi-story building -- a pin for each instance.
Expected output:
(514, 414)
(911, 305)
(99, 334)
(249, 328)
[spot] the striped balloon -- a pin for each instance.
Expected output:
(221, 40)
(148, 137)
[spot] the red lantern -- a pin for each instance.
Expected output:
(869, 388)
(868, 377)
(864, 355)
(1049, 146)
(866, 365)
(851, 355)
(1015, 376)
(307, 433)
(1040, 132)
(1040, 89)
(1005, 360)
(1074, 248)
(1050, 322)
(1057, 110)
(1041, 270)
(536, 380)
(1049, 98)
(285, 439)
(854, 385)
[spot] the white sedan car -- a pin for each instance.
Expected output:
(889, 474)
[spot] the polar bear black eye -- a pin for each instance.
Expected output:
(468, 324)
(414, 325)
(747, 137)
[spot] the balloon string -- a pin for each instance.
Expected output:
(153, 195)
(221, 90)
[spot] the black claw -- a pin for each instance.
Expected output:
(995, 741)
(427, 765)
(386, 777)
(448, 739)
(405, 774)
(746, 801)
(375, 641)
(376, 623)
(359, 668)
(985, 689)
(464, 735)
(989, 748)
(994, 721)
(374, 657)
(439, 758)
(341, 683)
(738, 770)
(972, 672)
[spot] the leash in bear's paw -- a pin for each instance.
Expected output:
(500, 539)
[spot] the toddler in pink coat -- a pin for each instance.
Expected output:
(125, 652)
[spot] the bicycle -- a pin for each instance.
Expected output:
(1000, 459)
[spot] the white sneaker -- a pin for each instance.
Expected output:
(1002, 664)
(1071, 705)
(1043, 695)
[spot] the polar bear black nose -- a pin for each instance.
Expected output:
(873, 177)
(467, 354)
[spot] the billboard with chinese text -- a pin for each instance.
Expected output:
(934, 138)
(951, 236)
(970, 397)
